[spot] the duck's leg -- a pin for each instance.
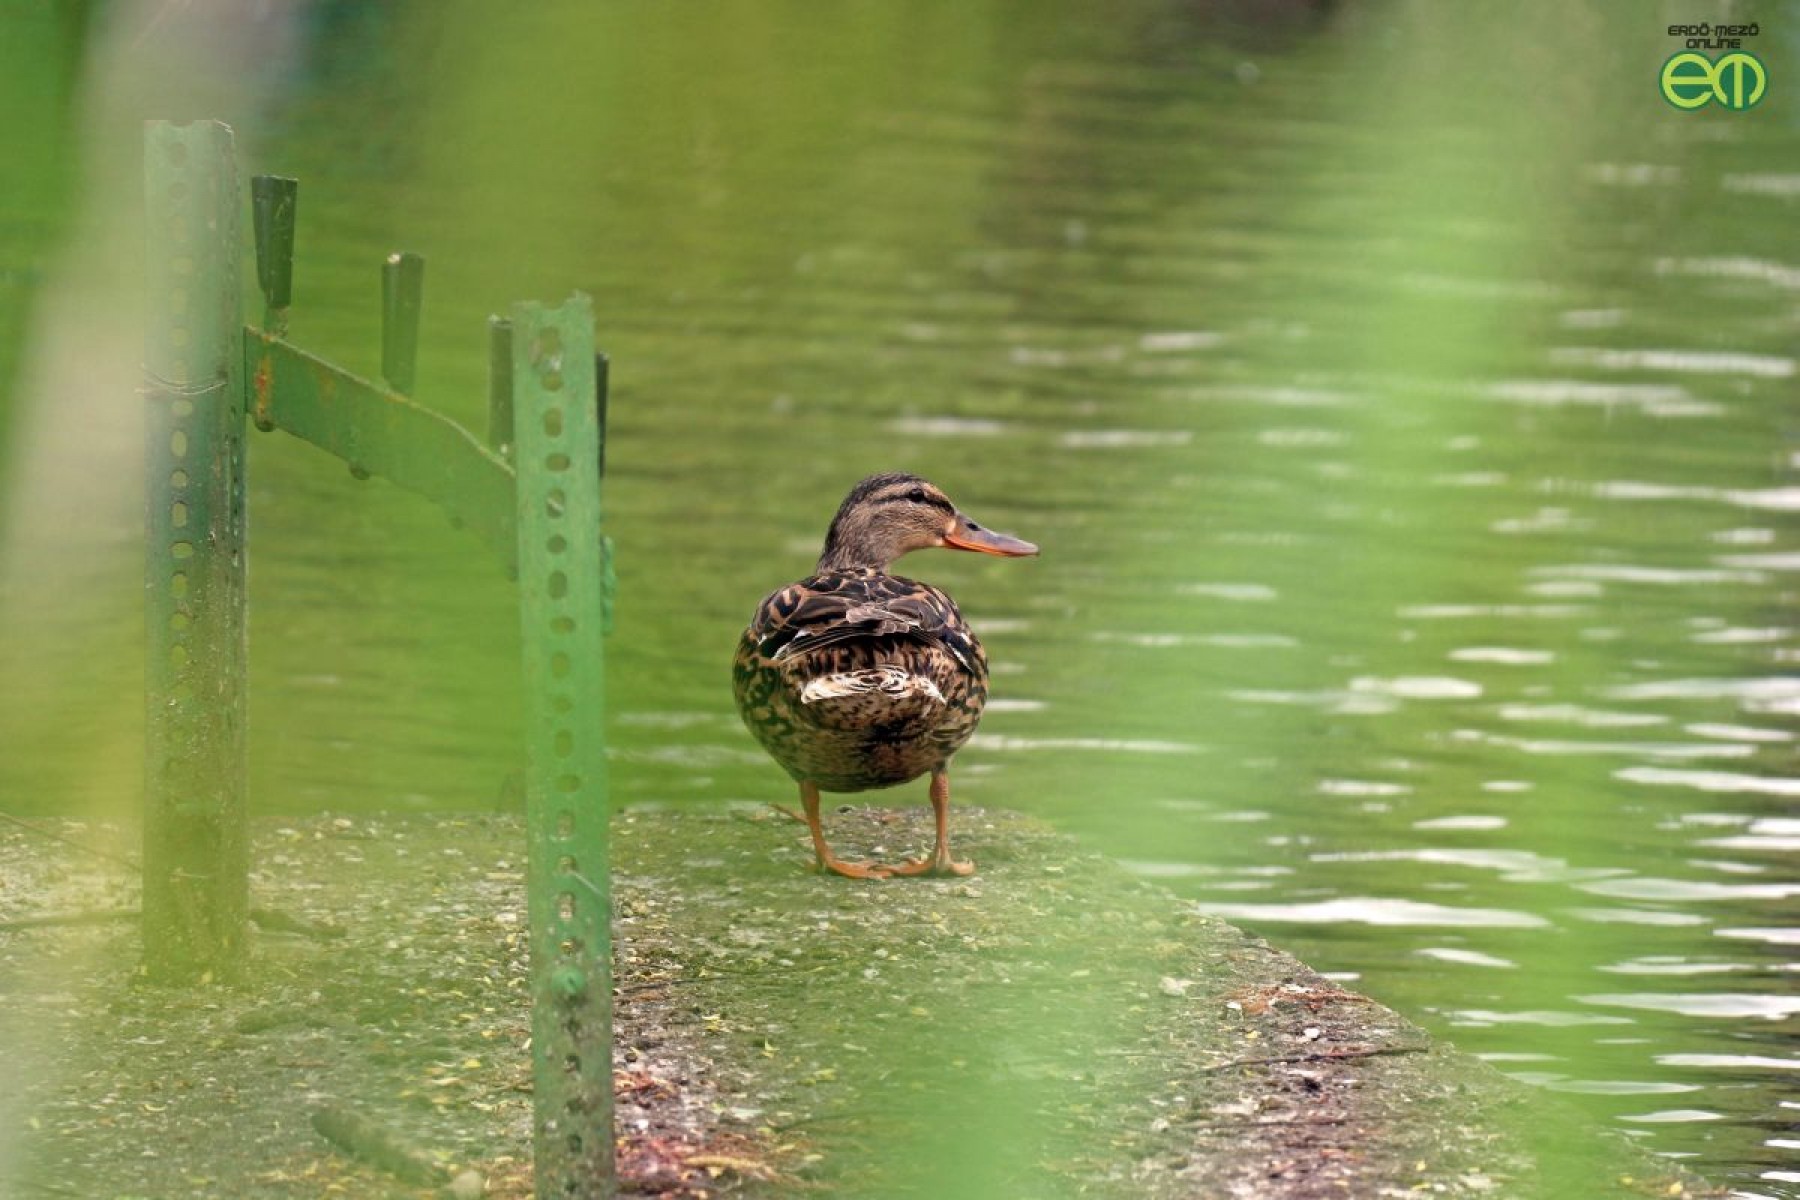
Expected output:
(939, 862)
(809, 796)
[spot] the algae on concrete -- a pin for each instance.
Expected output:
(1048, 1027)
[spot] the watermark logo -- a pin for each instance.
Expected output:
(1734, 79)
(1691, 80)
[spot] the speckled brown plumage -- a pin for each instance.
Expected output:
(922, 671)
(853, 678)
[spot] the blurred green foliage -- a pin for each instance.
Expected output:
(1285, 330)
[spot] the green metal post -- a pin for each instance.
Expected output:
(500, 398)
(196, 854)
(561, 598)
(609, 581)
(402, 297)
(273, 199)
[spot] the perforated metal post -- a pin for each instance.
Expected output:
(561, 592)
(196, 856)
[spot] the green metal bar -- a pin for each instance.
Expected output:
(273, 200)
(561, 594)
(609, 580)
(602, 379)
(196, 850)
(379, 432)
(402, 298)
(500, 394)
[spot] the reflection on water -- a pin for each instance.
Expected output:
(1401, 459)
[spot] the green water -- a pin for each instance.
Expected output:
(1402, 397)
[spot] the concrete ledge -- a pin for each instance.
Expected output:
(1050, 1027)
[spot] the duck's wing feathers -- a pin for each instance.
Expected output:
(830, 610)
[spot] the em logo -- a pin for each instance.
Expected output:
(1691, 80)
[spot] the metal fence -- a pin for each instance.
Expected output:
(531, 489)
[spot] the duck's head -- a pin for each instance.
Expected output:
(886, 516)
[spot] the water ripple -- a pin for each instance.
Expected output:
(1376, 910)
(1778, 936)
(1279, 397)
(1331, 701)
(994, 741)
(1781, 499)
(1417, 687)
(1733, 1062)
(1704, 362)
(1548, 1018)
(1670, 890)
(1124, 439)
(1712, 781)
(1765, 694)
(1470, 822)
(1636, 916)
(1787, 561)
(1675, 751)
(1229, 591)
(1515, 866)
(1653, 399)
(1446, 612)
(1466, 958)
(680, 719)
(1701, 1004)
(1575, 714)
(1180, 341)
(950, 427)
(1770, 834)
(1620, 1087)
(1361, 787)
(1223, 641)
(1741, 635)
(1672, 967)
(1757, 270)
(1760, 183)
(1505, 655)
(1739, 733)
(1660, 576)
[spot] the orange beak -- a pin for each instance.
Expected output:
(967, 535)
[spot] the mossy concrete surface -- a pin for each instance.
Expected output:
(1048, 1027)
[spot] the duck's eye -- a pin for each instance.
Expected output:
(918, 496)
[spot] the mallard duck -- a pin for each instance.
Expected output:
(854, 679)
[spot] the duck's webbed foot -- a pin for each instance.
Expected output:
(854, 870)
(826, 860)
(938, 862)
(932, 864)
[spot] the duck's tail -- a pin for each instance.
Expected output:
(882, 695)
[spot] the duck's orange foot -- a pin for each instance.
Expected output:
(936, 864)
(823, 858)
(853, 870)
